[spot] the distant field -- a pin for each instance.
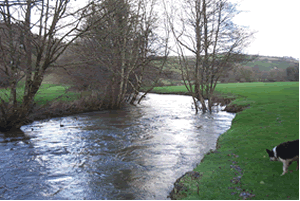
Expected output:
(240, 90)
(272, 118)
(265, 63)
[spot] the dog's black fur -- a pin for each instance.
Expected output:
(286, 152)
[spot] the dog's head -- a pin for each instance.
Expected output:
(271, 155)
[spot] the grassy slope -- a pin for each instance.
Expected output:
(266, 63)
(271, 119)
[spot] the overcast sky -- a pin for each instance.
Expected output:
(276, 23)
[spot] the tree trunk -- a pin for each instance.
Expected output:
(210, 104)
(28, 48)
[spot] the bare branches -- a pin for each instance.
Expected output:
(117, 55)
(33, 35)
(206, 31)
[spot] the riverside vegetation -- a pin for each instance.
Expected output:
(240, 167)
(55, 100)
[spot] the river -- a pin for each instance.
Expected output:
(134, 153)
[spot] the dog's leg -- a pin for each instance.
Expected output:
(285, 167)
(298, 164)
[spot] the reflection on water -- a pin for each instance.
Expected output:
(134, 153)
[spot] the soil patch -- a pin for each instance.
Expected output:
(234, 108)
(179, 188)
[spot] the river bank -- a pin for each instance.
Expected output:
(218, 98)
(131, 153)
(239, 168)
(92, 102)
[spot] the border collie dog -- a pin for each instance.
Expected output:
(286, 152)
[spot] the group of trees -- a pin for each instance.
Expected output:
(114, 47)
(205, 29)
(34, 34)
(111, 45)
(120, 53)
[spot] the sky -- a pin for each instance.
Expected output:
(276, 23)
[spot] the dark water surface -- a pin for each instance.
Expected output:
(134, 153)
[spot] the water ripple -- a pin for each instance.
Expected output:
(133, 153)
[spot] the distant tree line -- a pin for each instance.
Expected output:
(253, 74)
(241, 73)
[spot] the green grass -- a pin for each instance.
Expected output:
(49, 92)
(169, 89)
(46, 93)
(272, 118)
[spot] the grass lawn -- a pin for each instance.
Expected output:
(49, 92)
(46, 93)
(57, 102)
(241, 166)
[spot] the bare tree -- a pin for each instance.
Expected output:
(205, 30)
(34, 34)
(120, 51)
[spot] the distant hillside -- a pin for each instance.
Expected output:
(262, 68)
(266, 63)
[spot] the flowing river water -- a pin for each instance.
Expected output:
(134, 153)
